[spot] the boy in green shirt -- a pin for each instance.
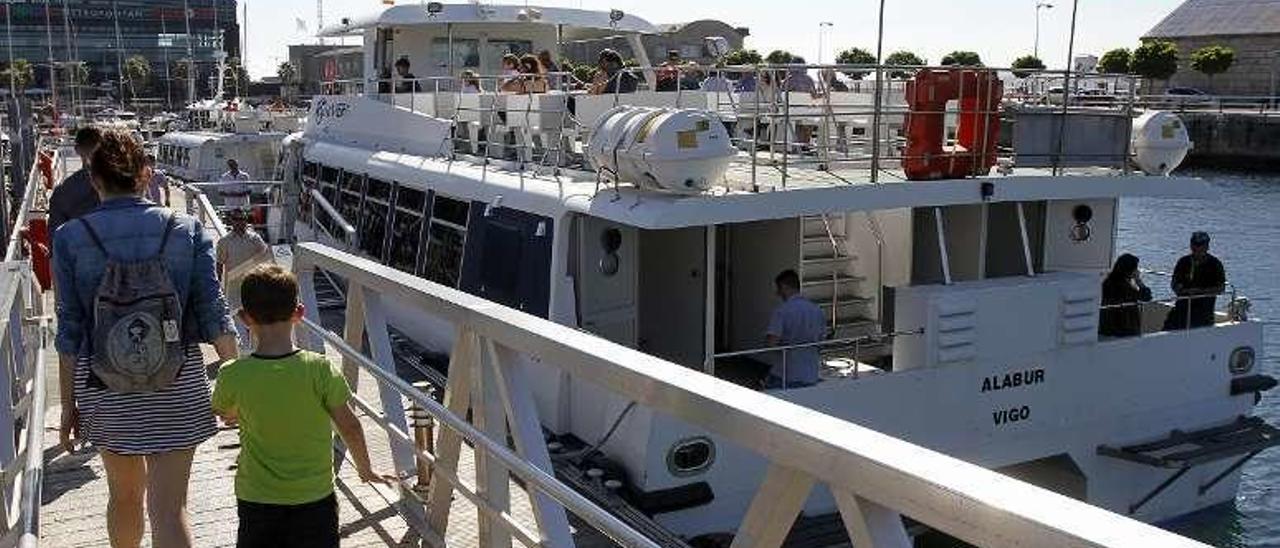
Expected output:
(285, 400)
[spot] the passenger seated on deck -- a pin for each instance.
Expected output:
(284, 400)
(1198, 279)
(1122, 293)
(530, 80)
(406, 82)
(610, 76)
(796, 321)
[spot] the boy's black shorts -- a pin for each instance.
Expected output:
(310, 525)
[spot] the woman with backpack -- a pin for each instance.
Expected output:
(137, 294)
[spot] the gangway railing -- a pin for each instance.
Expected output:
(22, 371)
(875, 478)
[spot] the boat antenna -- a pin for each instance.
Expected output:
(1066, 88)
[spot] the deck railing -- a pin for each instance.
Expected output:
(876, 479)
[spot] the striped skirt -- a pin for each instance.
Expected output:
(176, 417)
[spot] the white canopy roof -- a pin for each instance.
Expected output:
(577, 23)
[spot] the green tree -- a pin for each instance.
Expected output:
(1155, 60)
(1212, 60)
(743, 57)
(137, 72)
(288, 74)
(1116, 61)
(1028, 64)
(855, 56)
(962, 58)
(584, 72)
(903, 59)
(20, 74)
(779, 57)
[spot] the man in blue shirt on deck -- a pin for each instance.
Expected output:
(796, 321)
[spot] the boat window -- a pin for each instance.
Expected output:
(407, 229)
(349, 198)
(328, 174)
(310, 169)
(450, 210)
(466, 53)
(499, 47)
(373, 229)
(445, 239)
(444, 255)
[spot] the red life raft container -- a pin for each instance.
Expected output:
(978, 92)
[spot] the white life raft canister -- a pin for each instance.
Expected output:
(672, 150)
(1160, 142)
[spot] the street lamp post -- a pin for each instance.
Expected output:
(1039, 6)
(821, 27)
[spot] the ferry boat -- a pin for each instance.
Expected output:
(963, 303)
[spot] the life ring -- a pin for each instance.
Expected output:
(978, 92)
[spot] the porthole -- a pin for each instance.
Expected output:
(1242, 360)
(610, 242)
(690, 457)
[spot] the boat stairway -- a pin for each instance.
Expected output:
(330, 291)
(829, 277)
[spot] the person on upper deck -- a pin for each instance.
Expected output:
(611, 76)
(75, 196)
(548, 64)
(798, 80)
(530, 79)
(471, 82)
(667, 77)
(406, 81)
(796, 321)
(1198, 279)
(1122, 293)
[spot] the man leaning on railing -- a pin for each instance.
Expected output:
(1198, 279)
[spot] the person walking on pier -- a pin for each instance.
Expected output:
(287, 402)
(147, 433)
(75, 196)
(238, 253)
(157, 184)
(235, 190)
(1198, 279)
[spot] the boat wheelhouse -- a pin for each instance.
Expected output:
(963, 312)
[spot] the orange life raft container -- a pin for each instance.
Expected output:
(978, 92)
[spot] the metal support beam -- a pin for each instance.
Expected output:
(774, 509)
(353, 333)
(1222, 475)
(1159, 489)
(493, 481)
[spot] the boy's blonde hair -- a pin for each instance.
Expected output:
(269, 294)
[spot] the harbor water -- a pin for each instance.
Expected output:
(1244, 222)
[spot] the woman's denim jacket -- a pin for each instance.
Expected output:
(130, 229)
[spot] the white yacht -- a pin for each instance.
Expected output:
(963, 303)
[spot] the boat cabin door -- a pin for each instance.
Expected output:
(607, 263)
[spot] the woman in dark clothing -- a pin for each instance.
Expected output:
(1122, 291)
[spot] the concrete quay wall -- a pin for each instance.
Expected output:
(1234, 140)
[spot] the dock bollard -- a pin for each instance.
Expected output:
(424, 440)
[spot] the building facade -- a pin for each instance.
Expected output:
(102, 33)
(1250, 27)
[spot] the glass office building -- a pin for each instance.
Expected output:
(101, 33)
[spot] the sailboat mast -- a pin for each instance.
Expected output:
(73, 74)
(191, 56)
(115, 16)
(53, 63)
(164, 51)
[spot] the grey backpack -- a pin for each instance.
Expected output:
(137, 321)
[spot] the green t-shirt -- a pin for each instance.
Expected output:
(286, 437)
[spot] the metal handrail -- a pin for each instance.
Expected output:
(879, 477)
(349, 231)
(819, 344)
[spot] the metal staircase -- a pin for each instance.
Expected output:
(329, 291)
(829, 276)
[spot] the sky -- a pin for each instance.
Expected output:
(999, 30)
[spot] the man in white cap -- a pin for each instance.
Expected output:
(1198, 279)
(238, 253)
